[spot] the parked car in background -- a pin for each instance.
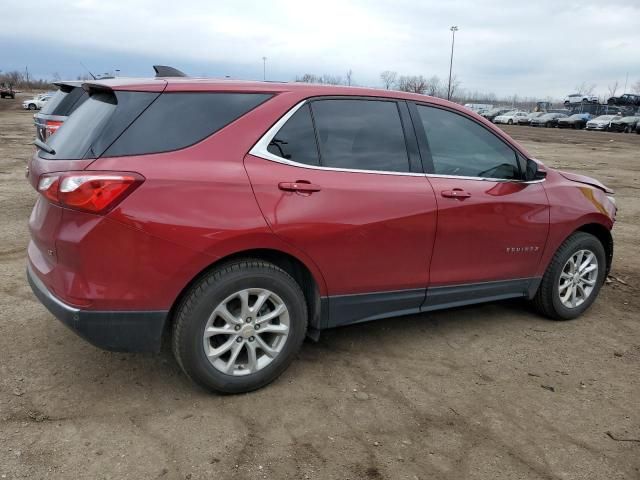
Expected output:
(547, 120)
(580, 98)
(526, 120)
(494, 112)
(214, 212)
(69, 97)
(602, 122)
(37, 102)
(576, 121)
(510, 117)
(479, 107)
(625, 124)
(628, 99)
(6, 91)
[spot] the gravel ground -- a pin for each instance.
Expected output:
(491, 391)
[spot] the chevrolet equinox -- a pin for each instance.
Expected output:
(236, 218)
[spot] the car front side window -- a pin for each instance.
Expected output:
(461, 147)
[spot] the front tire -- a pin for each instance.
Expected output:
(32, 106)
(573, 279)
(240, 326)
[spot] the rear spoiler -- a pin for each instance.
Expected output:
(165, 71)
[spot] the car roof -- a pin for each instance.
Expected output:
(190, 84)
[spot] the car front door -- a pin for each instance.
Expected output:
(339, 179)
(492, 226)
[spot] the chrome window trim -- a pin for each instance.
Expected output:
(260, 150)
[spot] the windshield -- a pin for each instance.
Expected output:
(577, 116)
(604, 118)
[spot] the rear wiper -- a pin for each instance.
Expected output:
(43, 146)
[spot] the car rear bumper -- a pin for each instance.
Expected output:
(122, 331)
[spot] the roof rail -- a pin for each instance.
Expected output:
(165, 71)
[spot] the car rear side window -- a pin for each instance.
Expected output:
(461, 147)
(296, 140)
(360, 134)
(178, 120)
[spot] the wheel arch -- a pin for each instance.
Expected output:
(310, 285)
(603, 234)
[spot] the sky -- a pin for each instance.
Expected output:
(539, 48)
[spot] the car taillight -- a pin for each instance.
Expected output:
(50, 127)
(93, 192)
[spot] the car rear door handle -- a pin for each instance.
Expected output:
(301, 186)
(455, 193)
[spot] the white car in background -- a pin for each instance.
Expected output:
(37, 102)
(510, 117)
(602, 122)
(574, 98)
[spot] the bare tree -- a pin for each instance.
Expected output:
(324, 79)
(349, 76)
(332, 80)
(412, 83)
(636, 87)
(434, 86)
(613, 88)
(56, 77)
(585, 88)
(453, 89)
(389, 79)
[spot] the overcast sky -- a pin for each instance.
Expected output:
(538, 48)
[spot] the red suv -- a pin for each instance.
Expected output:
(239, 217)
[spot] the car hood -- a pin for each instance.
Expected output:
(574, 177)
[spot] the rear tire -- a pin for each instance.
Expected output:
(550, 299)
(243, 365)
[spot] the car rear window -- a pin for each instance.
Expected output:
(133, 123)
(65, 101)
(96, 124)
(178, 120)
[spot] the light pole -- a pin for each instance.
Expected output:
(453, 29)
(264, 68)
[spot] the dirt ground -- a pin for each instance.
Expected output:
(485, 392)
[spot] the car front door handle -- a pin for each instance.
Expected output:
(455, 193)
(301, 186)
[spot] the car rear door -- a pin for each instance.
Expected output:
(341, 180)
(492, 226)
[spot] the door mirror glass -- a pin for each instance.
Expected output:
(533, 172)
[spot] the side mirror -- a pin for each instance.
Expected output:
(534, 172)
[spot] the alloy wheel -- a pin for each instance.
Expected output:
(578, 278)
(246, 331)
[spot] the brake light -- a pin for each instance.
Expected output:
(50, 127)
(93, 192)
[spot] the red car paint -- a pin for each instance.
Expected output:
(361, 233)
